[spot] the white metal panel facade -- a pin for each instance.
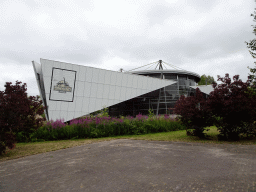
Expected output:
(72, 91)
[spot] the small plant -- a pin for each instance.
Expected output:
(101, 113)
(104, 112)
(150, 113)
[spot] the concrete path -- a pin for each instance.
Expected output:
(134, 165)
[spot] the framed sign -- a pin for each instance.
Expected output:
(62, 85)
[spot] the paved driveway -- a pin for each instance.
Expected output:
(135, 165)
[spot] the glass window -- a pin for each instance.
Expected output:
(191, 78)
(155, 75)
(192, 83)
(170, 76)
(182, 76)
(182, 82)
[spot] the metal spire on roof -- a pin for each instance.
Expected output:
(160, 64)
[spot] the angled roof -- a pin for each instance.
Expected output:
(207, 89)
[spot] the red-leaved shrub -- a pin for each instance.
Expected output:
(230, 107)
(194, 113)
(235, 107)
(17, 114)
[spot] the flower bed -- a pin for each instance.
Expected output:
(96, 127)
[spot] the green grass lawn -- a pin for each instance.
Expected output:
(26, 149)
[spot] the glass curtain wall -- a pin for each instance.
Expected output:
(161, 101)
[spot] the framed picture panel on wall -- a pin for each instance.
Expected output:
(62, 85)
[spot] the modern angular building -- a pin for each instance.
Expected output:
(70, 91)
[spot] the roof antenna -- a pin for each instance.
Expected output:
(160, 65)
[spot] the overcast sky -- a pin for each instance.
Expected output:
(202, 36)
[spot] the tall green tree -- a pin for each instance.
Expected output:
(210, 80)
(252, 49)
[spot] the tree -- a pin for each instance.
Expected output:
(228, 107)
(41, 106)
(210, 80)
(17, 114)
(232, 106)
(193, 116)
(252, 46)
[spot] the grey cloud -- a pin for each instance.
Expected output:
(159, 13)
(202, 5)
(206, 44)
(23, 41)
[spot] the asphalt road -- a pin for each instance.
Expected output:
(135, 165)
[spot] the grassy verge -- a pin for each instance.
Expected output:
(26, 149)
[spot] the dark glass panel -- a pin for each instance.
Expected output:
(182, 82)
(192, 83)
(154, 75)
(182, 77)
(170, 76)
(191, 78)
